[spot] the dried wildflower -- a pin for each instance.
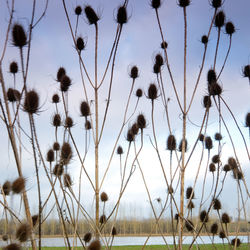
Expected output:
(181, 143)
(184, 3)
(6, 188)
(204, 39)
(122, 17)
(141, 121)
(78, 10)
(207, 101)
(130, 136)
(189, 225)
(212, 167)
(23, 232)
(152, 92)
(91, 15)
(190, 205)
(104, 197)
(56, 146)
(87, 237)
(55, 98)
(134, 72)
(218, 136)
(208, 143)
(189, 193)
(176, 217)
(138, 93)
(211, 76)
(216, 204)
(201, 137)
(58, 170)
(204, 216)
(5, 237)
(87, 125)
(164, 45)
(247, 120)
(68, 123)
(84, 109)
(34, 219)
(246, 71)
(237, 174)
(60, 73)
(65, 83)
(31, 102)
(18, 185)
(226, 168)
(230, 29)
(219, 19)
(13, 246)
(119, 150)
(155, 4)
(135, 129)
(56, 120)
(114, 231)
(216, 159)
(50, 155)
(235, 242)
(156, 68)
(66, 153)
(95, 245)
(214, 228)
(159, 60)
(214, 89)
(232, 163)
(103, 219)
(19, 37)
(171, 143)
(222, 235)
(13, 67)
(67, 180)
(216, 3)
(13, 95)
(225, 218)
(80, 45)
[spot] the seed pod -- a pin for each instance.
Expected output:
(189, 225)
(58, 170)
(80, 45)
(13, 246)
(23, 232)
(152, 91)
(114, 231)
(56, 146)
(164, 45)
(237, 174)
(214, 229)
(31, 102)
(230, 29)
(103, 219)
(204, 216)
(6, 188)
(141, 121)
(119, 150)
(138, 93)
(204, 39)
(121, 17)
(235, 242)
(66, 153)
(211, 76)
(247, 121)
(18, 185)
(156, 69)
(134, 72)
(184, 3)
(176, 217)
(78, 10)
(208, 143)
(56, 121)
(159, 60)
(19, 37)
(207, 101)
(189, 192)
(246, 71)
(222, 235)
(13, 67)
(180, 145)
(226, 168)
(135, 129)
(60, 73)
(190, 205)
(214, 89)
(218, 137)
(55, 98)
(219, 19)
(212, 167)
(67, 180)
(104, 197)
(88, 125)
(130, 136)
(225, 218)
(201, 137)
(34, 219)
(216, 3)
(232, 162)
(95, 245)
(216, 204)
(155, 4)
(171, 143)
(216, 159)
(84, 109)
(50, 155)
(87, 237)
(91, 15)
(5, 237)
(65, 83)
(68, 123)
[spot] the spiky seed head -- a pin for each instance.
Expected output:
(204, 39)
(67, 180)
(13, 95)
(135, 129)
(119, 150)
(156, 68)
(207, 101)
(232, 162)
(5, 237)
(212, 167)
(237, 174)
(66, 153)
(247, 121)
(58, 170)
(222, 235)
(216, 3)
(189, 193)
(134, 72)
(34, 219)
(159, 59)
(55, 98)
(50, 155)
(246, 71)
(78, 10)
(19, 37)
(211, 76)
(226, 168)
(141, 121)
(181, 143)
(130, 136)
(235, 241)
(230, 29)
(31, 102)
(201, 137)
(6, 188)
(219, 19)
(104, 197)
(91, 15)
(204, 216)
(23, 232)
(84, 109)
(218, 136)
(121, 16)
(138, 93)
(87, 237)
(208, 143)
(176, 217)
(56, 120)
(95, 245)
(65, 83)
(114, 231)
(214, 229)
(152, 91)
(225, 218)
(13, 67)
(18, 185)
(155, 4)
(68, 123)
(171, 143)
(13, 246)
(103, 219)
(56, 146)
(216, 159)
(80, 45)
(184, 3)
(214, 89)
(88, 125)
(189, 225)
(216, 204)
(60, 73)
(190, 205)
(164, 45)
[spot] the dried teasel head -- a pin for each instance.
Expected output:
(235, 242)
(201, 137)
(56, 146)
(247, 120)
(84, 109)
(6, 188)
(189, 193)
(18, 185)
(237, 174)
(227, 168)
(218, 136)
(183, 3)
(214, 89)
(65, 83)
(67, 180)
(225, 218)
(152, 91)
(230, 29)
(5, 237)
(31, 102)
(171, 143)
(212, 167)
(232, 163)
(119, 150)
(122, 16)
(68, 123)
(80, 44)
(185, 146)
(216, 159)
(164, 45)
(204, 39)
(78, 10)
(207, 101)
(216, 204)
(159, 59)
(13, 246)
(91, 15)
(13, 67)
(50, 155)
(189, 225)
(141, 121)
(190, 205)
(114, 231)
(246, 71)
(135, 129)
(58, 170)
(204, 216)
(155, 4)
(138, 93)
(134, 72)
(87, 125)
(23, 232)
(60, 73)
(66, 153)
(156, 69)
(55, 98)
(219, 19)
(103, 219)
(56, 120)
(87, 237)
(13, 95)
(216, 3)
(95, 245)
(19, 37)
(222, 235)
(130, 136)
(214, 229)
(35, 219)
(104, 197)
(211, 76)
(208, 143)
(176, 217)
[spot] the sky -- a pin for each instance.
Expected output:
(52, 47)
